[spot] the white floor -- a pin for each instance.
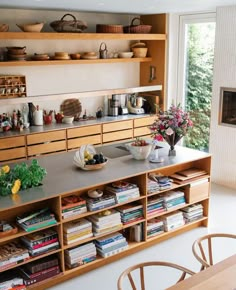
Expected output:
(178, 249)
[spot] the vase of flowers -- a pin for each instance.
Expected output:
(171, 126)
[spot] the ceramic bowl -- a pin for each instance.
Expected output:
(139, 152)
(31, 27)
(68, 119)
(95, 193)
(127, 54)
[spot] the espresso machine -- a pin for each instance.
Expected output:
(113, 105)
(135, 103)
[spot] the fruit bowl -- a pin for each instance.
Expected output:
(139, 152)
(87, 158)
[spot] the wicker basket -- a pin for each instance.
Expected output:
(140, 28)
(4, 27)
(68, 25)
(139, 51)
(105, 28)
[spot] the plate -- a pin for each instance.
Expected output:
(61, 57)
(89, 57)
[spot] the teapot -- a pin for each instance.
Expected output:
(99, 112)
(47, 118)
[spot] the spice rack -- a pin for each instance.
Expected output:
(12, 86)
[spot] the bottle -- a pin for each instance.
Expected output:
(38, 117)
(105, 105)
(30, 114)
(25, 113)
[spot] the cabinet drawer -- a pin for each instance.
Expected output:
(46, 148)
(12, 142)
(144, 121)
(119, 135)
(46, 137)
(77, 142)
(196, 192)
(84, 131)
(12, 154)
(111, 127)
(142, 131)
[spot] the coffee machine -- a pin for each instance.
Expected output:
(113, 105)
(135, 103)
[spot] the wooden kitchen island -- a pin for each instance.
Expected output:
(64, 179)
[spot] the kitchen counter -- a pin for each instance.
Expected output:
(64, 177)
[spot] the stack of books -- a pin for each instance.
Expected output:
(123, 191)
(12, 254)
(39, 270)
(36, 220)
(105, 222)
(41, 242)
(72, 205)
(158, 182)
(100, 202)
(173, 220)
(173, 199)
(75, 231)
(11, 280)
(80, 255)
(155, 204)
(111, 245)
(155, 226)
(131, 212)
(192, 212)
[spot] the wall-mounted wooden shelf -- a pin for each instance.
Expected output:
(79, 61)
(79, 36)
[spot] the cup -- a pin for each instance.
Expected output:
(22, 89)
(2, 91)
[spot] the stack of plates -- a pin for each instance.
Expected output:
(89, 55)
(61, 56)
(40, 56)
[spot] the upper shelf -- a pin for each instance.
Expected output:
(80, 36)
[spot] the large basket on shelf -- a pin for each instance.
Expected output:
(138, 28)
(68, 25)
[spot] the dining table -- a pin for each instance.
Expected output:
(220, 276)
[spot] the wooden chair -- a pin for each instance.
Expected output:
(140, 282)
(203, 248)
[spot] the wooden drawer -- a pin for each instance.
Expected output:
(198, 190)
(12, 149)
(144, 121)
(119, 135)
(77, 142)
(142, 131)
(83, 131)
(44, 143)
(46, 137)
(118, 126)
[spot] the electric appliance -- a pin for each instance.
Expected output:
(113, 106)
(134, 104)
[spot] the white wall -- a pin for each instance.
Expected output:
(222, 138)
(69, 78)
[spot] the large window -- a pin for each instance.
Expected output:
(195, 74)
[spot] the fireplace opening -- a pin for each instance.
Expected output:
(227, 114)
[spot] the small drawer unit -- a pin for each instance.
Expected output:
(12, 86)
(117, 131)
(85, 135)
(12, 149)
(46, 143)
(197, 190)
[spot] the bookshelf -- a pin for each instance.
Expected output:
(64, 179)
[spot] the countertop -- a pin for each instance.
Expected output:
(64, 177)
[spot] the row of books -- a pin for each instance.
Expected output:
(131, 212)
(39, 243)
(158, 182)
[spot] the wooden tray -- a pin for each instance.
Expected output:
(9, 233)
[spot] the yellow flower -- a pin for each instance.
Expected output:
(16, 186)
(5, 169)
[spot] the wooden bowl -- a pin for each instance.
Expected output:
(94, 166)
(31, 27)
(75, 55)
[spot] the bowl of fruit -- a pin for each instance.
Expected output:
(87, 158)
(140, 148)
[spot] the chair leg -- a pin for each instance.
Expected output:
(132, 282)
(142, 278)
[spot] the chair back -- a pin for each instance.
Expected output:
(137, 280)
(203, 248)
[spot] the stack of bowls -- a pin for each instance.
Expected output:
(61, 56)
(15, 53)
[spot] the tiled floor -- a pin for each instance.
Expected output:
(178, 249)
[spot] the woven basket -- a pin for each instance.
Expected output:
(140, 28)
(68, 25)
(105, 28)
(139, 51)
(4, 27)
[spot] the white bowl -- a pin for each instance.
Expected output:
(125, 54)
(68, 119)
(139, 152)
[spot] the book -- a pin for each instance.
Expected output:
(106, 246)
(39, 225)
(74, 226)
(40, 237)
(72, 201)
(74, 208)
(41, 250)
(112, 248)
(37, 274)
(80, 248)
(68, 242)
(126, 208)
(81, 262)
(111, 253)
(109, 238)
(42, 264)
(31, 215)
(192, 172)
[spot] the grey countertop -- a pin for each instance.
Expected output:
(64, 177)
(75, 124)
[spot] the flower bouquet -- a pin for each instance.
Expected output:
(171, 126)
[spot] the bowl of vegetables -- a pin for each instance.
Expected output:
(140, 149)
(87, 158)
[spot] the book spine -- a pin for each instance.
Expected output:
(29, 281)
(46, 243)
(31, 243)
(21, 220)
(72, 205)
(41, 265)
(105, 255)
(36, 227)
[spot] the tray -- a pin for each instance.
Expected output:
(9, 233)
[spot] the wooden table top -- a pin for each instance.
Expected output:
(221, 276)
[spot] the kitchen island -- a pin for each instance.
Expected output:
(64, 179)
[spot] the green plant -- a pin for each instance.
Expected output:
(28, 176)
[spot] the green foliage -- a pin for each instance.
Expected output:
(29, 175)
(200, 57)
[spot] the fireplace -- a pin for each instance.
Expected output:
(227, 113)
